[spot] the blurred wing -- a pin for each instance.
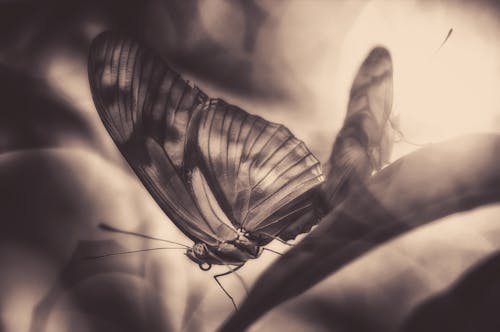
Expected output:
(363, 144)
(372, 95)
(147, 109)
(259, 169)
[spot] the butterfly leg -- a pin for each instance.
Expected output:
(273, 251)
(222, 287)
(283, 241)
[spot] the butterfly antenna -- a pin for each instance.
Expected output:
(129, 252)
(273, 251)
(400, 133)
(109, 228)
(445, 40)
(403, 137)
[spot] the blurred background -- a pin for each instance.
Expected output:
(291, 62)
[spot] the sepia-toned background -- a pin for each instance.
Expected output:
(291, 62)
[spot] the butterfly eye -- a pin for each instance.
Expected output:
(199, 250)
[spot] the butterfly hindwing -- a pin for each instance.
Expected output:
(259, 168)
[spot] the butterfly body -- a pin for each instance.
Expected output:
(229, 180)
(235, 252)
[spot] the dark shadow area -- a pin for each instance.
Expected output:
(179, 34)
(175, 28)
(471, 304)
(95, 286)
(30, 118)
(321, 316)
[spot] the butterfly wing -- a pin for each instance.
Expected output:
(148, 108)
(263, 175)
(363, 144)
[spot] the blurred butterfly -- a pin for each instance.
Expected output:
(229, 180)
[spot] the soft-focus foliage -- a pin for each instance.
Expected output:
(289, 61)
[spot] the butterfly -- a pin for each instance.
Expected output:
(229, 180)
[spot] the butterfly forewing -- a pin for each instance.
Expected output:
(372, 93)
(146, 108)
(162, 181)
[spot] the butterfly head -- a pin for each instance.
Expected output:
(199, 255)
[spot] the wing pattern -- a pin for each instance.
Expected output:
(259, 166)
(147, 108)
(209, 165)
(364, 143)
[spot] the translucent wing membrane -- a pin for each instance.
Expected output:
(370, 104)
(372, 86)
(259, 167)
(364, 143)
(211, 166)
(147, 109)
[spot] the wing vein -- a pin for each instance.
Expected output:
(276, 165)
(237, 169)
(111, 118)
(245, 144)
(284, 217)
(205, 192)
(171, 120)
(265, 145)
(117, 85)
(133, 115)
(176, 107)
(221, 135)
(209, 140)
(287, 183)
(228, 142)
